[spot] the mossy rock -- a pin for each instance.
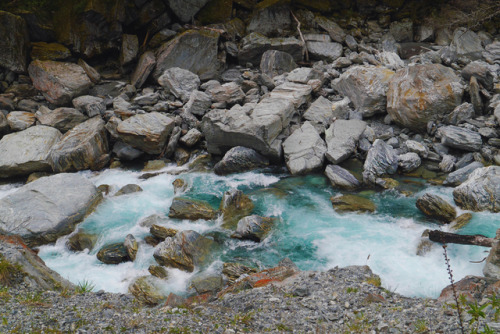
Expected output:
(461, 221)
(215, 11)
(49, 51)
(187, 208)
(234, 206)
(352, 203)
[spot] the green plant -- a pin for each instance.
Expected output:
(84, 286)
(8, 272)
(283, 328)
(34, 299)
(351, 290)
(374, 280)
(421, 326)
(495, 304)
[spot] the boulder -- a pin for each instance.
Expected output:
(409, 162)
(147, 290)
(186, 10)
(128, 189)
(366, 87)
(83, 147)
(240, 159)
(158, 271)
(462, 174)
(341, 178)
(481, 70)
(341, 139)
(270, 19)
(48, 208)
(234, 206)
(186, 208)
(211, 284)
(191, 138)
(193, 50)
(381, 159)
(255, 228)
(467, 42)
(184, 251)
(327, 51)
(198, 104)
(81, 240)
(59, 82)
(20, 120)
(113, 254)
(436, 207)
(63, 119)
(126, 152)
(146, 132)
(460, 138)
(334, 30)
(254, 45)
(422, 93)
(352, 203)
(131, 246)
(320, 111)
(304, 150)
(179, 185)
(229, 93)
(299, 94)
(181, 83)
(303, 75)
(144, 68)
(481, 191)
(90, 105)
(92, 73)
(460, 114)
(276, 62)
(14, 43)
(25, 152)
(162, 232)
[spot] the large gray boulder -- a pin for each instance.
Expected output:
(180, 82)
(63, 119)
(467, 42)
(192, 50)
(255, 126)
(25, 152)
(146, 132)
(254, 228)
(328, 51)
(341, 178)
(481, 191)
(240, 159)
(276, 62)
(299, 94)
(83, 147)
(422, 93)
(320, 111)
(460, 138)
(341, 139)
(270, 20)
(59, 82)
(461, 175)
(186, 10)
(381, 159)
(45, 209)
(14, 42)
(436, 207)
(304, 150)
(366, 87)
(254, 45)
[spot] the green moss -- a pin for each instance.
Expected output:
(8, 272)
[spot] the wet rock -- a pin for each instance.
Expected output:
(254, 228)
(126, 152)
(191, 138)
(461, 175)
(144, 68)
(63, 119)
(146, 132)
(366, 87)
(81, 241)
(481, 191)
(186, 208)
(276, 62)
(20, 120)
(83, 147)
(181, 83)
(254, 45)
(199, 103)
(59, 82)
(210, 284)
(381, 159)
(460, 114)
(352, 203)
(240, 159)
(147, 290)
(14, 42)
(341, 178)
(90, 105)
(179, 185)
(128, 189)
(436, 207)
(24, 152)
(113, 254)
(409, 161)
(158, 271)
(461, 221)
(233, 271)
(131, 246)
(460, 138)
(421, 93)
(234, 206)
(304, 150)
(341, 139)
(162, 232)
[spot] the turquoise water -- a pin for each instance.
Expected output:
(308, 231)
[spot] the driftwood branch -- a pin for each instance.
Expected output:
(301, 36)
(452, 238)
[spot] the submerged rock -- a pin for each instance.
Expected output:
(113, 254)
(304, 150)
(81, 241)
(481, 191)
(341, 178)
(186, 208)
(128, 189)
(234, 206)
(131, 246)
(240, 159)
(254, 228)
(435, 207)
(349, 203)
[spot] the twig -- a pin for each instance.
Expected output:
(450, 273)
(301, 36)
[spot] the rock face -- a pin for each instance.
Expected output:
(240, 159)
(481, 191)
(460, 138)
(352, 203)
(304, 150)
(83, 147)
(113, 254)
(254, 228)
(48, 208)
(184, 251)
(63, 119)
(421, 93)
(366, 87)
(25, 152)
(179, 82)
(341, 178)
(186, 208)
(192, 50)
(14, 42)
(59, 82)
(342, 137)
(234, 206)
(435, 207)
(381, 159)
(146, 132)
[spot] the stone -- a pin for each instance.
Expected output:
(48, 208)
(352, 203)
(297, 93)
(390, 60)
(198, 104)
(126, 152)
(90, 105)
(20, 120)
(186, 208)
(254, 228)
(408, 162)
(229, 93)
(436, 207)
(492, 265)
(460, 175)
(334, 30)
(424, 33)
(448, 163)
(146, 132)
(460, 138)
(460, 114)
(181, 156)
(327, 51)
(270, 19)
(240, 159)
(184, 251)
(320, 112)
(466, 42)
(304, 150)
(253, 46)
(27, 151)
(461, 221)
(130, 49)
(234, 206)
(381, 160)
(49, 51)
(158, 271)
(366, 87)
(274, 62)
(186, 10)
(402, 31)
(191, 138)
(233, 271)
(210, 284)
(481, 191)
(179, 186)
(145, 66)
(81, 241)
(341, 139)
(63, 119)
(147, 290)
(481, 71)
(131, 246)
(172, 142)
(341, 178)
(193, 50)
(83, 147)
(59, 82)
(162, 232)
(422, 93)
(14, 43)
(181, 83)
(303, 75)
(113, 254)
(128, 189)
(91, 72)
(417, 147)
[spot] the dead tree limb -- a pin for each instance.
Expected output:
(452, 238)
(301, 36)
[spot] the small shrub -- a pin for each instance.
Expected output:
(84, 287)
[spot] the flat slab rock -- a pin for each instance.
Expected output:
(48, 208)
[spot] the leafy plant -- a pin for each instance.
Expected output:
(421, 326)
(351, 290)
(85, 286)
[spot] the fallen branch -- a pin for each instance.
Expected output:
(301, 36)
(452, 238)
